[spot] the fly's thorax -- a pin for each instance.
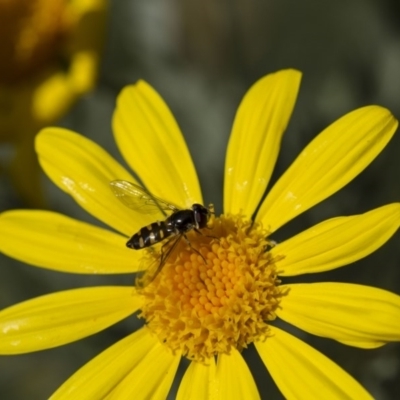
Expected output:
(181, 221)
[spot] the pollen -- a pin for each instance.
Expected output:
(217, 291)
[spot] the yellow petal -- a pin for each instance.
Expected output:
(63, 317)
(56, 93)
(362, 315)
(87, 43)
(83, 71)
(301, 372)
(52, 98)
(84, 170)
(101, 376)
(152, 377)
(200, 381)
(82, 8)
(337, 242)
(234, 378)
(256, 136)
(50, 240)
(328, 163)
(152, 144)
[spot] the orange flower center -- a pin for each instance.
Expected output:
(218, 293)
(31, 32)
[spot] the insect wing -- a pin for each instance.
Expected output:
(151, 271)
(139, 199)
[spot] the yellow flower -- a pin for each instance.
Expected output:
(222, 292)
(49, 56)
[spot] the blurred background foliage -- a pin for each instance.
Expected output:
(202, 57)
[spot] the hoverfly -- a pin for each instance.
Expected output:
(175, 226)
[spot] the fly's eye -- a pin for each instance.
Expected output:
(198, 217)
(201, 215)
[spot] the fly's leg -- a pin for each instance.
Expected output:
(155, 268)
(202, 234)
(190, 245)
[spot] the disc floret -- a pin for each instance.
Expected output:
(218, 293)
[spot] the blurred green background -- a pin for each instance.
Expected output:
(202, 57)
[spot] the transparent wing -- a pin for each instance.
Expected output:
(150, 271)
(139, 199)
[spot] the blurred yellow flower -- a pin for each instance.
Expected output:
(224, 291)
(50, 54)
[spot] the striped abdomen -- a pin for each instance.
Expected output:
(149, 235)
